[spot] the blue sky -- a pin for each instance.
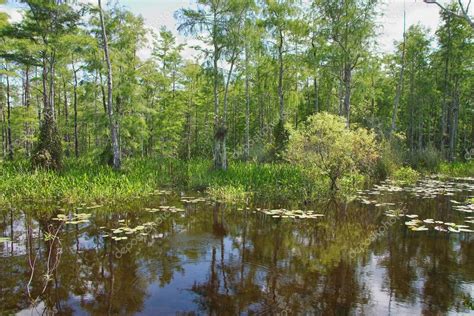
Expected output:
(161, 12)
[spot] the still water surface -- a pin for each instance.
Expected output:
(201, 258)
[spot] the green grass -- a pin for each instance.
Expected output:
(229, 194)
(265, 182)
(80, 181)
(457, 169)
(83, 181)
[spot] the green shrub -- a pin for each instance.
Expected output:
(267, 182)
(325, 147)
(406, 175)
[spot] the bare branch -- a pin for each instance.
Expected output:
(465, 11)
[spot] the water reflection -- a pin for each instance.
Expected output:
(213, 259)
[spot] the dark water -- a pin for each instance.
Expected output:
(216, 259)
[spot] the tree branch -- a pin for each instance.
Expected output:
(465, 16)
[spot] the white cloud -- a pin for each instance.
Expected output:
(14, 13)
(392, 20)
(161, 12)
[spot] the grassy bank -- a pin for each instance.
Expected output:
(457, 169)
(82, 181)
(79, 181)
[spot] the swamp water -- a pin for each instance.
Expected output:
(399, 251)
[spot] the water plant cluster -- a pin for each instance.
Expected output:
(427, 188)
(284, 213)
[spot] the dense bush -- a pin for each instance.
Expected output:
(267, 182)
(323, 146)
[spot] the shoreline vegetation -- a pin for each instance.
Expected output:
(284, 101)
(82, 181)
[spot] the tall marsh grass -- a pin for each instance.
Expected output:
(80, 181)
(83, 181)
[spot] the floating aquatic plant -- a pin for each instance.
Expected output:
(298, 214)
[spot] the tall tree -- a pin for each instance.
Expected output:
(43, 25)
(214, 20)
(350, 26)
(110, 110)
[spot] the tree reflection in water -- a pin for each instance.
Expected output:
(216, 260)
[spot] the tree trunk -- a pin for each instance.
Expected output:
(347, 92)
(454, 122)
(444, 114)
(340, 93)
(411, 100)
(247, 107)
(48, 152)
(46, 104)
(396, 101)
(27, 105)
(9, 127)
(280, 78)
(51, 85)
(4, 132)
(67, 138)
(219, 133)
(316, 94)
(224, 121)
(113, 125)
(76, 137)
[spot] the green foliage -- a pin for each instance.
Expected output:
(265, 182)
(325, 147)
(406, 176)
(350, 184)
(83, 181)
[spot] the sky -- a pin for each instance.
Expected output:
(161, 12)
